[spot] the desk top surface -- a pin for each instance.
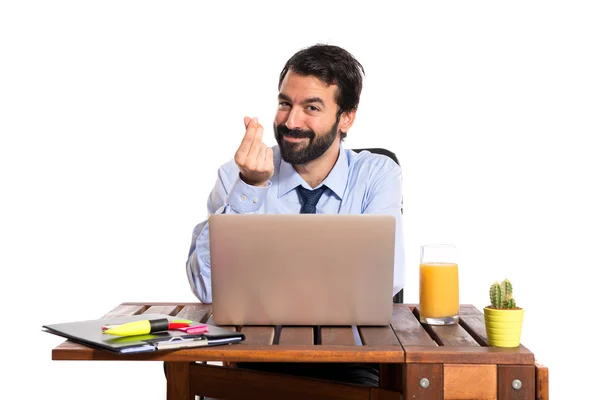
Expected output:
(405, 340)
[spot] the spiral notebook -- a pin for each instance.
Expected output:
(89, 333)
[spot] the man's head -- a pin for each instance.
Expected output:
(319, 92)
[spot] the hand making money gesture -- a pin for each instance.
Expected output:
(254, 158)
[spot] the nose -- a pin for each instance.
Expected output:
(294, 119)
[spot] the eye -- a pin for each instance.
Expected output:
(284, 104)
(312, 108)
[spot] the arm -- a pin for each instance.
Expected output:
(226, 197)
(385, 197)
(241, 188)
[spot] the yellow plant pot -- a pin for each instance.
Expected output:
(503, 327)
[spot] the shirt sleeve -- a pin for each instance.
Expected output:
(229, 196)
(385, 197)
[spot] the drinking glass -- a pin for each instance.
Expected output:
(438, 285)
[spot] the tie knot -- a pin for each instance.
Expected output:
(310, 198)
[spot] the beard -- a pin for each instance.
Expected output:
(300, 153)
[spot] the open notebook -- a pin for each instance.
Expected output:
(89, 333)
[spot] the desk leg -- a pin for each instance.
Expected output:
(390, 377)
(541, 382)
(390, 383)
(178, 381)
(424, 381)
(516, 382)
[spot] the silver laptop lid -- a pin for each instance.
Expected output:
(302, 269)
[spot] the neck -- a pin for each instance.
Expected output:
(316, 171)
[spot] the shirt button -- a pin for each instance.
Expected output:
(255, 200)
(243, 198)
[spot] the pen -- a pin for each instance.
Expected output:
(144, 327)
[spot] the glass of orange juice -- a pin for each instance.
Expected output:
(438, 285)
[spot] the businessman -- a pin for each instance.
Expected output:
(309, 171)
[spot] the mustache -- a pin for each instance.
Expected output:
(295, 133)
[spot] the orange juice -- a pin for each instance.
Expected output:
(438, 290)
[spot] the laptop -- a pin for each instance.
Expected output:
(302, 269)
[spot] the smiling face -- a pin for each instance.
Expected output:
(307, 122)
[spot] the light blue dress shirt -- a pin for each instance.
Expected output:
(362, 183)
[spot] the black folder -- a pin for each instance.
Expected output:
(89, 333)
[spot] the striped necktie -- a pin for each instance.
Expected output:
(309, 199)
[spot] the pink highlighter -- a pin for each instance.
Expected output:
(194, 329)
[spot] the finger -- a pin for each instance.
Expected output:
(248, 139)
(247, 121)
(256, 143)
(262, 153)
(269, 157)
(259, 133)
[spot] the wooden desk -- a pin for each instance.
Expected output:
(421, 362)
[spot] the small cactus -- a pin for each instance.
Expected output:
(506, 288)
(501, 295)
(496, 295)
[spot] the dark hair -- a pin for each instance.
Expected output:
(334, 66)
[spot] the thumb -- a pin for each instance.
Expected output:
(247, 121)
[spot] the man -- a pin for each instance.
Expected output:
(309, 171)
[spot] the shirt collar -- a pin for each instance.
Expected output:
(289, 179)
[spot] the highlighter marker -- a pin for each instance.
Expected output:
(195, 329)
(182, 321)
(139, 327)
(172, 325)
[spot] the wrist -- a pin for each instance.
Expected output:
(253, 183)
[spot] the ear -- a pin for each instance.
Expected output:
(346, 120)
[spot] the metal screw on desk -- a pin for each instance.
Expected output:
(424, 382)
(517, 384)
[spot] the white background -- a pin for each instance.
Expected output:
(115, 115)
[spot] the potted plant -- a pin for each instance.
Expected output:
(503, 319)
